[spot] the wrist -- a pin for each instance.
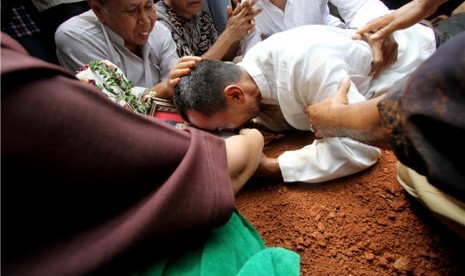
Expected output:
(149, 93)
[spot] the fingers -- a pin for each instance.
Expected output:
(384, 54)
(382, 33)
(239, 7)
(377, 59)
(229, 11)
(190, 58)
(182, 68)
(357, 36)
(321, 115)
(379, 27)
(247, 9)
(174, 82)
(251, 26)
(234, 4)
(179, 72)
(342, 90)
(186, 62)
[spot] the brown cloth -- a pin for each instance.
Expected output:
(425, 122)
(86, 183)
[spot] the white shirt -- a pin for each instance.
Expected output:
(305, 65)
(307, 12)
(84, 38)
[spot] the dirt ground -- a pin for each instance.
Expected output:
(364, 224)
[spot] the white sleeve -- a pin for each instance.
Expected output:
(357, 13)
(167, 50)
(327, 159)
(74, 50)
(318, 78)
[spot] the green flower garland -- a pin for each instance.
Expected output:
(112, 79)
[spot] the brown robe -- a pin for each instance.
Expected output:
(425, 123)
(86, 183)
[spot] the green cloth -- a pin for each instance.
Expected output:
(233, 249)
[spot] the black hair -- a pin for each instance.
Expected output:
(202, 89)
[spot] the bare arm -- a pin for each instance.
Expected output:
(244, 152)
(404, 17)
(334, 117)
(240, 23)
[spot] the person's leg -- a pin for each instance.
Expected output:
(449, 210)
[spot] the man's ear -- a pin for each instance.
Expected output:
(96, 6)
(234, 94)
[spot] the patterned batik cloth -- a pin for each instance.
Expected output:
(193, 37)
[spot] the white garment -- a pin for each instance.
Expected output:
(84, 38)
(307, 12)
(305, 65)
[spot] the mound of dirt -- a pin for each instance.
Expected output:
(364, 224)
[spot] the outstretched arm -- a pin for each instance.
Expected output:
(334, 117)
(404, 17)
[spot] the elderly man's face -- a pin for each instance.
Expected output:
(133, 20)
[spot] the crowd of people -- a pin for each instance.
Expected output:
(123, 193)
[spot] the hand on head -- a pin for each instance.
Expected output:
(181, 68)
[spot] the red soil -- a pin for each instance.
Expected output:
(364, 224)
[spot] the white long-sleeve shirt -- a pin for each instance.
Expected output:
(308, 12)
(84, 38)
(305, 65)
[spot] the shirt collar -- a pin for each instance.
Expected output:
(119, 41)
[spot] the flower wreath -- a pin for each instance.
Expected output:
(111, 80)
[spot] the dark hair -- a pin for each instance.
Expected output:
(202, 89)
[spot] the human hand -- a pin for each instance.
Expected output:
(268, 168)
(404, 17)
(322, 116)
(384, 52)
(234, 4)
(241, 20)
(181, 68)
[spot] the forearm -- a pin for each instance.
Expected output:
(225, 48)
(163, 90)
(359, 121)
(335, 117)
(429, 6)
(244, 152)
